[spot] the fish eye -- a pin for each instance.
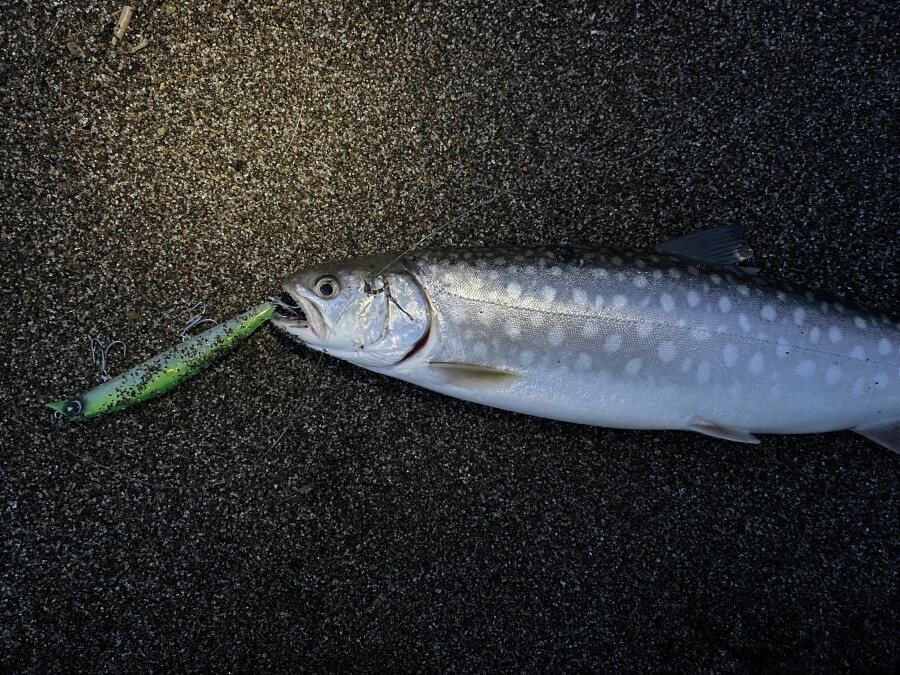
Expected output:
(327, 287)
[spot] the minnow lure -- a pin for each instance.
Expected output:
(164, 371)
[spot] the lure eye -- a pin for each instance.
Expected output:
(327, 288)
(73, 407)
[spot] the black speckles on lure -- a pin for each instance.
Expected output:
(675, 337)
(166, 370)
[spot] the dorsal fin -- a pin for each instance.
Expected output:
(723, 246)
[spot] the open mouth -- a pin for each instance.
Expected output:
(295, 314)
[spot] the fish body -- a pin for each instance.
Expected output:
(676, 337)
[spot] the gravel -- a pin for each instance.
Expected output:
(285, 512)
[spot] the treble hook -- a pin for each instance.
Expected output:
(100, 355)
(196, 320)
(278, 302)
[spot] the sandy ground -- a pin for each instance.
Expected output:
(282, 512)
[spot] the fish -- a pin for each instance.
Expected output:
(680, 336)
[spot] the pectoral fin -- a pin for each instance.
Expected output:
(702, 426)
(884, 433)
(472, 375)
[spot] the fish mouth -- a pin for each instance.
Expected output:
(298, 317)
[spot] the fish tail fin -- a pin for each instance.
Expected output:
(886, 433)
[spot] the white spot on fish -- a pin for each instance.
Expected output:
(833, 375)
(667, 302)
(881, 380)
(512, 328)
(640, 263)
(513, 290)
(613, 344)
(657, 275)
(781, 295)
(692, 270)
(858, 387)
(598, 301)
(768, 313)
(584, 361)
(640, 281)
(556, 271)
(825, 307)
(858, 353)
(633, 367)
(556, 336)
(599, 273)
(743, 291)
(619, 301)
(782, 348)
(744, 322)
(799, 316)
(809, 295)
(715, 278)
(620, 277)
(834, 334)
(815, 334)
(674, 272)
(756, 364)
(730, 355)
(526, 357)
(579, 297)
(884, 347)
(686, 365)
(724, 304)
(700, 333)
(644, 328)
(693, 298)
(805, 368)
(861, 323)
(838, 307)
(548, 293)
(667, 351)
(703, 372)
(591, 329)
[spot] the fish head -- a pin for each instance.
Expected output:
(369, 311)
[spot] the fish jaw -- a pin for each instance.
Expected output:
(308, 328)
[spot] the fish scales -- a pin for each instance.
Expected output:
(639, 340)
(676, 337)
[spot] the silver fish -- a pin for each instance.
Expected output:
(675, 337)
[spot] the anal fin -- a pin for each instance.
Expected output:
(885, 433)
(702, 426)
(472, 375)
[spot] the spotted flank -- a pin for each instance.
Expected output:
(676, 337)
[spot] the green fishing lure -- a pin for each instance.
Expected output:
(164, 371)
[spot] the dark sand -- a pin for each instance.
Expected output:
(285, 513)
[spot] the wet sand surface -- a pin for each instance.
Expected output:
(286, 512)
